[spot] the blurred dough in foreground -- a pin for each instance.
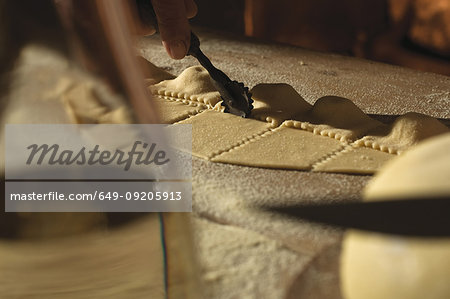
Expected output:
(375, 266)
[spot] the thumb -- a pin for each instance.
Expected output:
(173, 26)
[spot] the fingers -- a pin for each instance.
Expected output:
(146, 21)
(172, 16)
(144, 29)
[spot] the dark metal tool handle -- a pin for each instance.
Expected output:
(419, 217)
(236, 98)
(215, 73)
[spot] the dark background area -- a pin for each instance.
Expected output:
(410, 33)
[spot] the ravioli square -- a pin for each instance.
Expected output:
(355, 160)
(173, 111)
(282, 147)
(214, 132)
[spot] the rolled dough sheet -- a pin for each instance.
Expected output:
(172, 111)
(354, 160)
(215, 132)
(284, 130)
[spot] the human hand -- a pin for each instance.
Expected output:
(172, 18)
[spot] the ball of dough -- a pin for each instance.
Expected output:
(380, 266)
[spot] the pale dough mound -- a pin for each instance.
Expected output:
(194, 84)
(407, 130)
(84, 106)
(153, 73)
(337, 118)
(275, 103)
(376, 266)
(331, 109)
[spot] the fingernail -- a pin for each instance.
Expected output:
(177, 49)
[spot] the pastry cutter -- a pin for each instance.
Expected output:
(236, 97)
(416, 217)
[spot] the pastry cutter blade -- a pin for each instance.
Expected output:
(236, 97)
